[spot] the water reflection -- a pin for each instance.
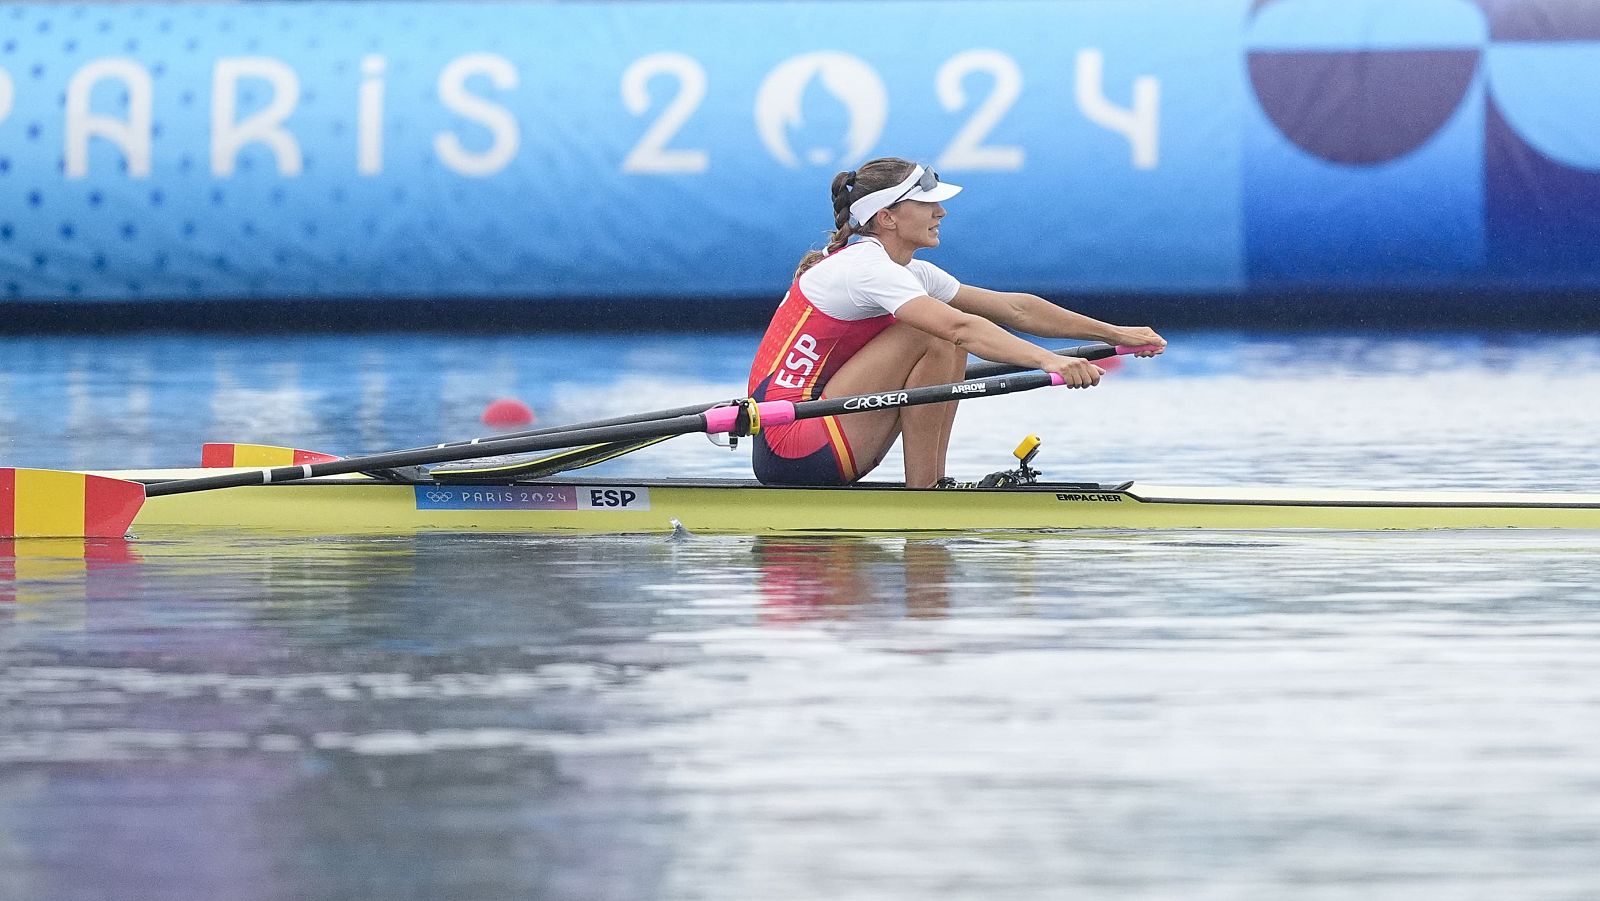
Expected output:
(249, 718)
(1102, 714)
(38, 569)
(807, 579)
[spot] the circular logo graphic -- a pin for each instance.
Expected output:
(780, 106)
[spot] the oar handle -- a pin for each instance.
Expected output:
(1082, 352)
(974, 371)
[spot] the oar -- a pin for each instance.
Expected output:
(1082, 351)
(35, 503)
(521, 466)
(229, 455)
(535, 466)
(716, 420)
(974, 371)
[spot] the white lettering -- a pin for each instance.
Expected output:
(876, 401)
(502, 125)
(967, 150)
(807, 345)
(132, 134)
(799, 365)
(229, 137)
(651, 153)
(369, 116)
(1140, 123)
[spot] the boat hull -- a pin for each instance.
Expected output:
(600, 506)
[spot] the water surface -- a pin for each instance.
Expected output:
(1098, 715)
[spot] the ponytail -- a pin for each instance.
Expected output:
(848, 186)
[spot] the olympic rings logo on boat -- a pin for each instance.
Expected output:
(440, 497)
(875, 401)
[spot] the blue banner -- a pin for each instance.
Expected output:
(684, 150)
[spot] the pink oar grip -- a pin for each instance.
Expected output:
(720, 419)
(1057, 380)
(772, 412)
(776, 412)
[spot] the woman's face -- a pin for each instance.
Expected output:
(917, 223)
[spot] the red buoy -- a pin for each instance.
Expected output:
(507, 413)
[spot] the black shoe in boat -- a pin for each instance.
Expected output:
(948, 482)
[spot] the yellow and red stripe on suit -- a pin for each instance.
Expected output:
(802, 348)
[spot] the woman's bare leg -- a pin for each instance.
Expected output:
(925, 430)
(900, 357)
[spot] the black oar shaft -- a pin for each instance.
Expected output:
(931, 394)
(718, 419)
(1082, 352)
(628, 419)
(974, 371)
(422, 456)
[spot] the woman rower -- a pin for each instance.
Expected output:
(863, 316)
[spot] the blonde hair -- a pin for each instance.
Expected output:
(848, 187)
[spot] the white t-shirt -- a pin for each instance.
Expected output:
(861, 281)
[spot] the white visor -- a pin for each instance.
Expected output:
(922, 185)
